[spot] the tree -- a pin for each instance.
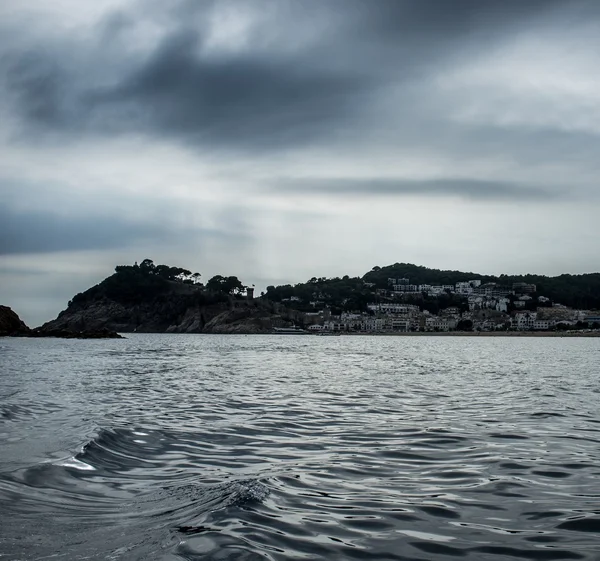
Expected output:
(235, 286)
(182, 274)
(163, 271)
(226, 285)
(216, 284)
(147, 265)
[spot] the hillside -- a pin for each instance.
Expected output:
(353, 293)
(576, 291)
(158, 298)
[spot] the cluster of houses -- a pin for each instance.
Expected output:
(468, 288)
(488, 305)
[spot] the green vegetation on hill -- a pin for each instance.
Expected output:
(146, 282)
(133, 284)
(353, 293)
(337, 293)
(420, 275)
(577, 291)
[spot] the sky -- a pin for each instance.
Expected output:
(281, 140)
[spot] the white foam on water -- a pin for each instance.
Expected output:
(426, 536)
(74, 463)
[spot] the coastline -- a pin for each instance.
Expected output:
(478, 334)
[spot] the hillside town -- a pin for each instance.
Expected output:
(482, 307)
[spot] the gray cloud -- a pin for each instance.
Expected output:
(471, 189)
(252, 102)
(266, 97)
(37, 84)
(25, 231)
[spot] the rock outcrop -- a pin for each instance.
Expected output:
(242, 320)
(11, 324)
(68, 334)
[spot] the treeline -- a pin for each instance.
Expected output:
(146, 281)
(147, 268)
(339, 294)
(132, 284)
(419, 275)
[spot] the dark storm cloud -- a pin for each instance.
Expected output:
(46, 232)
(243, 100)
(449, 18)
(261, 98)
(476, 190)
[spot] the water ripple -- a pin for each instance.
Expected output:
(209, 447)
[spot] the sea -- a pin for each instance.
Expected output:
(275, 447)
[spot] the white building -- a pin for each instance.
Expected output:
(392, 308)
(434, 323)
(475, 302)
(524, 320)
(373, 324)
(463, 288)
(502, 305)
(346, 316)
(396, 324)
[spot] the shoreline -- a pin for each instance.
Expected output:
(479, 334)
(592, 334)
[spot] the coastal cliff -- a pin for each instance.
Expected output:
(168, 315)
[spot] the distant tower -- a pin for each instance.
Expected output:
(250, 293)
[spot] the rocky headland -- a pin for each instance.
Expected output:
(11, 325)
(161, 299)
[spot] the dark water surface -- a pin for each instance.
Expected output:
(288, 447)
